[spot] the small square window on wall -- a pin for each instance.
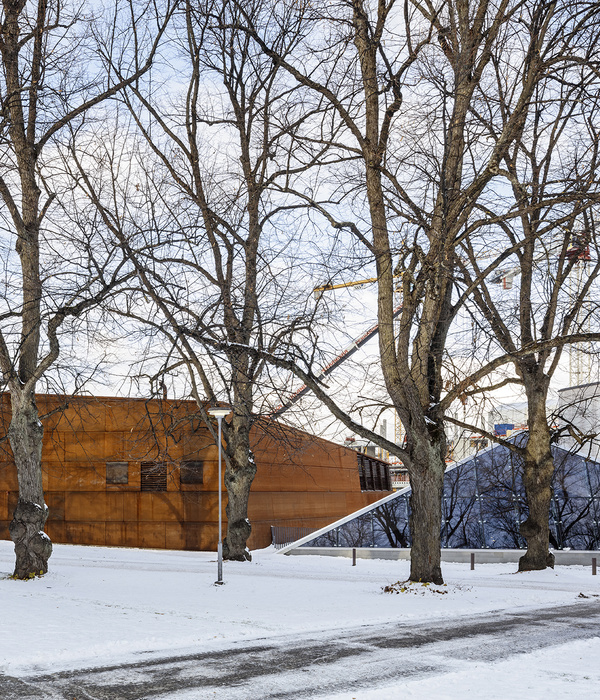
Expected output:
(117, 473)
(153, 476)
(192, 472)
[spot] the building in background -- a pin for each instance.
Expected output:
(143, 473)
(579, 411)
(483, 506)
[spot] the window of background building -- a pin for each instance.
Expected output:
(374, 474)
(192, 472)
(117, 473)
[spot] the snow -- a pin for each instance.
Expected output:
(100, 605)
(563, 671)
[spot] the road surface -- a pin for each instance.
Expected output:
(310, 666)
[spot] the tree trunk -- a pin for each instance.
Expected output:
(238, 481)
(32, 546)
(239, 475)
(427, 483)
(538, 469)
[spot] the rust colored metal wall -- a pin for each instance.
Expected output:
(301, 480)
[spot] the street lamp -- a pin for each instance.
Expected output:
(219, 412)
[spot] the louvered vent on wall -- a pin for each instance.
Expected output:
(154, 476)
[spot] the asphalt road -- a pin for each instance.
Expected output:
(296, 667)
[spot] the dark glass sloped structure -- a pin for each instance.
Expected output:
(483, 506)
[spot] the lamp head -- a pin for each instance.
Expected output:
(219, 411)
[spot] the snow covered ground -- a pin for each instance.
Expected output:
(101, 606)
(564, 671)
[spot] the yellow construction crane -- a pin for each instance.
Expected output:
(318, 291)
(372, 332)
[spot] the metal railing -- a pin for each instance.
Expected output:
(282, 535)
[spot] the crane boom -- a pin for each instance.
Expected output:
(336, 362)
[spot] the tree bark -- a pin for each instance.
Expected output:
(238, 482)
(538, 469)
(239, 474)
(427, 482)
(32, 546)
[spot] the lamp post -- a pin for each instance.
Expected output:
(219, 412)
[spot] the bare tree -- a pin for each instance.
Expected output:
(197, 212)
(420, 72)
(552, 170)
(52, 76)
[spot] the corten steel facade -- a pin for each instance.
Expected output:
(143, 473)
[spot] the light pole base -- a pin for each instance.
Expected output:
(220, 561)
